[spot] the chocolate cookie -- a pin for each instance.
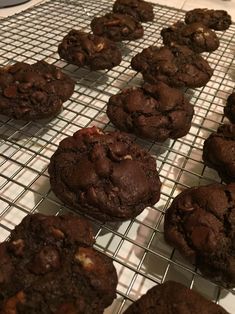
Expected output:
(200, 223)
(96, 52)
(177, 66)
(219, 152)
(32, 92)
(49, 266)
(139, 9)
(104, 175)
(172, 297)
(196, 36)
(156, 112)
(216, 19)
(117, 27)
(229, 109)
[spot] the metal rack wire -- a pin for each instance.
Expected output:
(141, 256)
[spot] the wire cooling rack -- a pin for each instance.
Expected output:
(140, 255)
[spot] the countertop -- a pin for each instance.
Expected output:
(228, 5)
(18, 8)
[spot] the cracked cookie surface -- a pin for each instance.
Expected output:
(104, 174)
(219, 152)
(172, 297)
(141, 10)
(177, 66)
(156, 112)
(49, 266)
(196, 36)
(216, 19)
(200, 223)
(117, 27)
(31, 92)
(96, 52)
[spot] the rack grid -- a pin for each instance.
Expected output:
(137, 247)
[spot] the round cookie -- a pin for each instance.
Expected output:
(219, 20)
(97, 52)
(172, 297)
(177, 66)
(219, 152)
(32, 92)
(156, 112)
(117, 27)
(49, 266)
(104, 174)
(139, 9)
(196, 36)
(229, 109)
(200, 223)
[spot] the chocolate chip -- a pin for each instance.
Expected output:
(18, 247)
(48, 259)
(10, 91)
